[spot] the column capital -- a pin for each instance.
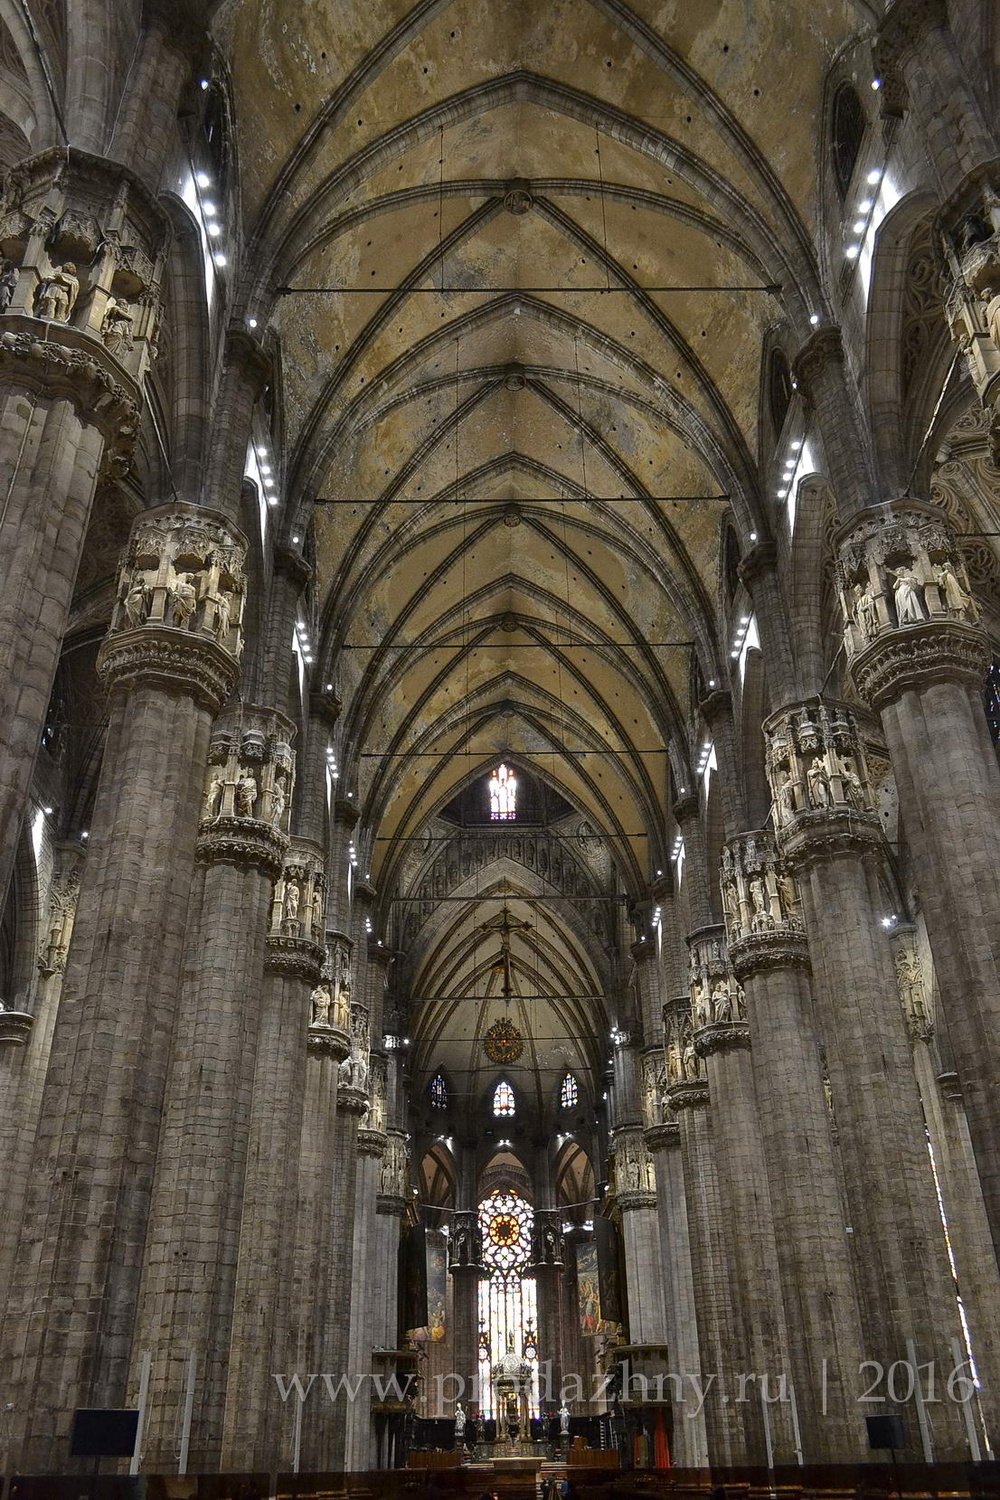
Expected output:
(352, 1101)
(910, 617)
(293, 958)
(325, 706)
(687, 807)
(299, 898)
(632, 1177)
(684, 1066)
(15, 1027)
(177, 621)
(324, 1040)
(718, 1004)
(371, 1143)
(764, 923)
(822, 351)
(715, 705)
(904, 27)
(290, 564)
(761, 558)
(663, 1137)
(818, 772)
(689, 1094)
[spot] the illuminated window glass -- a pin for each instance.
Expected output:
(503, 1099)
(991, 698)
(570, 1095)
(439, 1092)
(508, 1312)
(503, 794)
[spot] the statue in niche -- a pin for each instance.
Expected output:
(906, 595)
(57, 294)
(136, 602)
(956, 599)
(761, 913)
(818, 783)
(689, 1059)
(116, 327)
(321, 1000)
(8, 285)
(786, 892)
(345, 1073)
(213, 797)
(675, 1067)
(722, 1003)
(183, 601)
(852, 784)
(246, 794)
(910, 979)
(223, 614)
(317, 910)
(290, 906)
(785, 800)
(730, 904)
(698, 1004)
(278, 801)
(864, 611)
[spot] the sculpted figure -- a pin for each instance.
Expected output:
(223, 613)
(183, 601)
(786, 891)
(213, 797)
(957, 600)
(8, 285)
(819, 783)
(321, 1000)
(116, 327)
(56, 297)
(864, 611)
(317, 911)
(852, 784)
(722, 1003)
(785, 801)
(246, 794)
(278, 801)
(761, 915)
(906, 596)
(690, 1060)
(290, 911)
(135, 603)
(564, 1421)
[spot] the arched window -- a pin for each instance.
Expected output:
(569, 1094)
(503, 1100)
(439, 1092)
(848, 134)
(503, 795)
(508, 1315)
(779, 389)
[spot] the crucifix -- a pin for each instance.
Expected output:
(504, 924)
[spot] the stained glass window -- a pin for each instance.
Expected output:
(439, 1092)
(503, 795)
(508, 1309)
(503, 1099)
(570, 1095)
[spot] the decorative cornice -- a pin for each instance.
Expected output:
(324, 706)
(292, 565)
(391, 1206)
(662, 1137)
(693, 1094)
(295, 958)
(829, 834)
(372, 1143)
(631, 1199)
(912, 657)
(244, 350)
(242, 841)
(761, 558)
(950, 1085)
(59, 360)
(716, 703)
(327, 1041)
(760, 952)
(173, 660)
(722, 1036)
(686, 807)
(346, 811)
(351, 1101)
(15, 1027)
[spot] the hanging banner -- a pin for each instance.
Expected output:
(413, 1284)
(588, 1287)
(437, 1286)
(606, 1239)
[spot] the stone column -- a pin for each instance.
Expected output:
(635, 1197)
(312, 1336)
(690, 1447)
(719, 1340)
(548, 1268)
(828, 835)
(170, 660)
(770, 958)
(954, 1165)
(390, 1208)
(25, 1040)
(722, 1039)
(327, 1446)
(465, 1265)
(84, 242)
(189, 1274)
(917, 655)
(358, 1439)
(295, 1002)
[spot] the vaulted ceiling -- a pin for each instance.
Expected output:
(523, 260)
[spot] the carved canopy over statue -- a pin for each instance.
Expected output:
(899, 565)
(717, 1000)
(816, 763)
(184, 571)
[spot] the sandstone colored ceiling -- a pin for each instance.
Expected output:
(524, 450)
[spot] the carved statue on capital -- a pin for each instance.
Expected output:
(684, 1064)
(633, 1174)
(818, 771)
(763, 913)
(924, 618)
(970, 239)
(911, 984)
(294, 904)
(718, 1004)
(64, 891)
